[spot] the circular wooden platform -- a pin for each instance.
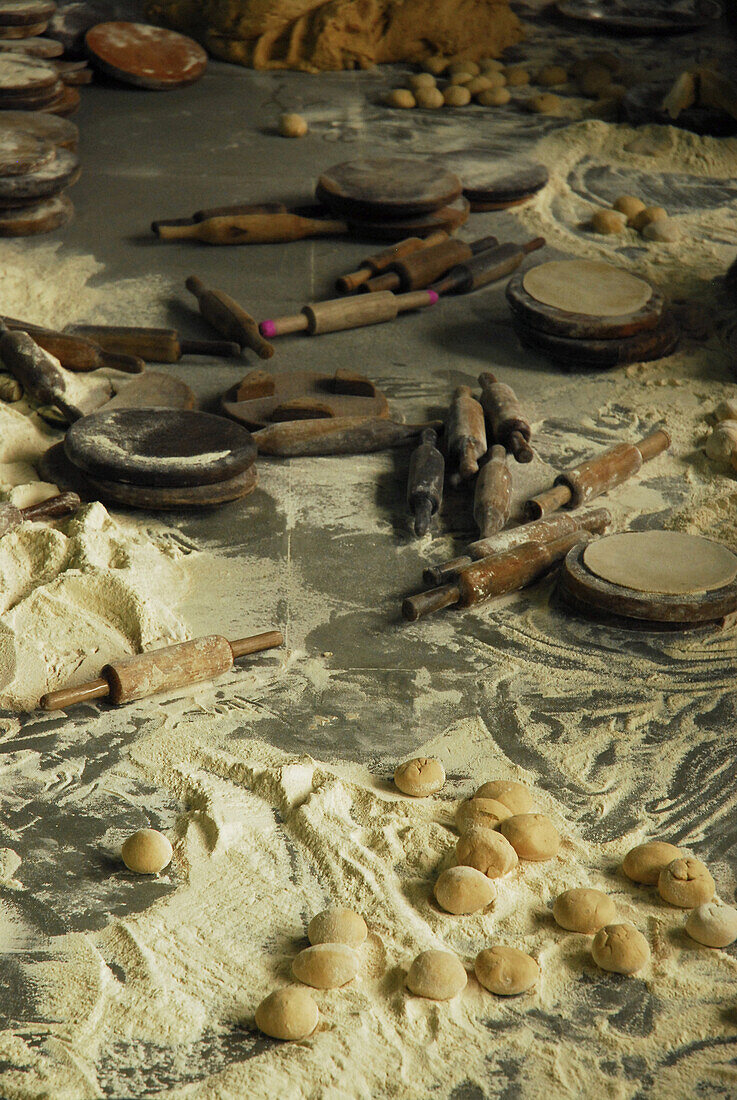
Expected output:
(383, 188)
(146, 56)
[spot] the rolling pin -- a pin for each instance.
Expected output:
(76, 352)
(542, 531)
(344, 313)
(465, 434)
(229, 318)
(425, 482)
(154, 345)
(597, 475)
(223, 211)
(372, 265)
(252, 229)
(486, 267)
(340, 435)
(508, 426)
(36, 372)
(493, 576)
(63, 504)
(492, 498)
(165, 669)
(417, 271)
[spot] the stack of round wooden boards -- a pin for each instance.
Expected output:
(591, 315)
(38, 162)
(30, 77)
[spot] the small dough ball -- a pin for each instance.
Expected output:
(479, 84)
(494, 80)
(722, 443)
(463, 890)
(686, 882)
(645, 862)
(620, 948)
(494, 97)
(647, 216)
(664, 231)
(422, 80)
(455, 95)
(517, 76)
(401, 97)
(506, 971)
(464, 67)
(10, 389)
(545, 104)
(584, 910)
(628, 205)
(438, 975)
(533, 836)
(486, 812)
(487, 851)
(420, 777)
(608, 221)
(460, 79)
(594, 79)
(429, 98)
(515, 796)
(726, 410)
(147, 852)
(552, 75)
(287, 1013)
(337, 925)
(491, 65)
(435, 65)
(292, 126)
(714, 924)
(326, 965)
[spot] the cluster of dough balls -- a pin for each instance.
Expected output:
(484, 82)
(721, 445)
(651, 222)
(331, 961)
(440, 975)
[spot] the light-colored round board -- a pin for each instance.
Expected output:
(24, 13)
(662, 562)
(587, 286)
(30, 221)
(52, 178)
(24, 75)
(35, 47)
(30, 30)
(147, 56)
(47, 127)
(22, 152)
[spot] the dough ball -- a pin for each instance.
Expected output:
(583, 910)
(438, 975)
(594, 79)
(420, 777)
(515, 796)
(10, 389)
(479, 84)
(429, 98)
(686, 882)
(552, 75)
(463, 890)
(726, 410)
(620, 948)
(435, 65)
(647, 216)
(608, 221)
(326, 965)
(722, 443)
(292, 126)
(455, 95)
(460, 79)
(401, 97)
(533, 836)
(506, 971)
(486, 812)
(494, 97)
(713, 924)
(337, 925)
(490, 64)
(645, 862)
(545, 104)
(464, 67)
(287, 1013)
(664, 231)
(494, 80)
(487, 851)
(628, 205)
(147, 852)
(517, 76)
(422, 80)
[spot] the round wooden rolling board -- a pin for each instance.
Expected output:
(21, 152)
(160, 448)
(383, 188)
(17, 34)
(23, 75)
(450, 218)
(65, 104)
(46, 48)
(494, 183)
(636, 17)
(31, 221)
(54, 177)
(591, 594)
(41, 125)
(298, 395)
(37, 101)
(24, 13)
(669, 563)
(146, 56)
(644, 346)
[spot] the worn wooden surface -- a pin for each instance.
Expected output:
(649, 344)
(261, 398)
(383, 188)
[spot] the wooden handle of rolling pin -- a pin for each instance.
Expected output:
(465, 434)
(486, 267)
(417, 271)
(597, 475)
(162, 670)
(492, 498)
(493, 576)
(229, 318)
(253, 229)
(76, 352)
(372, 265)
(222, 211)
(508, 426)
(36, 372)
(339, 314)
(340, 435)
(154, 345)
(542, 531)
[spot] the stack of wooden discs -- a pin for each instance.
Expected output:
(590, 315)
(38, 162)
(392, 197)
(24, 18)
(491, 182)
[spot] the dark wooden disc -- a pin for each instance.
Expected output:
(382, 188)
(163, 448)
(34, 101)
(16, 34)
(21, 152)
(66, 103)
(261, 399)
(146, 56)
(41, 125)
(487, 178)
(35, 47)
(50, 180)
(24, 75)
(450, 218)
(635, 17)
(654, 343)
(580, 326)
(24, 13)
(31, 221)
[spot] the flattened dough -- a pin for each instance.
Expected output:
(585, 286)
(666, 562)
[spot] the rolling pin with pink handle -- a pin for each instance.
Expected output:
(63, 504)
(339, 314)
(166, 669)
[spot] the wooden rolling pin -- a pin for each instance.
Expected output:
(465, 434)
(372, 265)
(76, 353)
(36, 372)
(508, 426)
(63, 504)
(154, 345)
(425, 482)
(253, 229)
(229, 318)
(598, 475)
(221, 212)
(485, 267)
(340, 435)
(165, 669)
(493, 576)
(542, 531)
(343, 313)
(492, 498)
(417, 271)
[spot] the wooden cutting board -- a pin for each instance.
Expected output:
(54, 177)
(146, 56)
(21, 152)
(35, 47)
(263, 398)
(31, 221)
(449, 218)
(382, 188)
(24, 13)
(653, 343)
(40, 125)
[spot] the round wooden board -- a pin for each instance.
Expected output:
(670, 563)
(160, 448)
(34, 47)
(636, 17)
(16, 34)
(651, 344)
(65, 104)
(41, 125)
(297, 395)
(383, 188)
(450, 218)
(36, 101)
(22, 152)
(146, 56)
(31, 221)
(24, 75)
(54, 177)
(24, 13)
(496, 181)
